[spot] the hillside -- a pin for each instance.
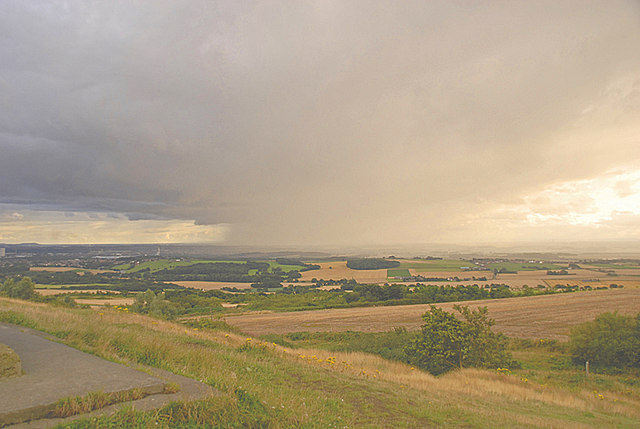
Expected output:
(263, 385)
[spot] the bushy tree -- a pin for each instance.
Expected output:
(154, 304)
(610, 341)
(22, 289)
(447, 342)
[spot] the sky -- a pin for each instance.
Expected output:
(319, 122)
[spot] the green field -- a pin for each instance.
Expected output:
(437, 265)
(168, 264)
(285, 268)
(398, 272)
(617, 266)
(516, 266)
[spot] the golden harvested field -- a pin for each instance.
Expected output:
(106, 301)
(338, 270)
(212, 285)
(547, 316)
(63, 269)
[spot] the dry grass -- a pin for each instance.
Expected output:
(74, 405)
(10, 364)
(469, 382)
(547, 316)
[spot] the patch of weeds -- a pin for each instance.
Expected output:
(74, 405)
(561, 362)
(17, 319)
(211, 324)
(171, 388)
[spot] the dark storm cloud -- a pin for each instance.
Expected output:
(311, 121)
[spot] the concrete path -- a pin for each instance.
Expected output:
(53, 371)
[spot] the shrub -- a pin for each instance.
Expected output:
(447, 342)
(611, 341)
(154, 305)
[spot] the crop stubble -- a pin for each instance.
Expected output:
(547, 316)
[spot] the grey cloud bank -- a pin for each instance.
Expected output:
(321, 122)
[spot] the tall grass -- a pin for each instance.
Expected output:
(264, 385)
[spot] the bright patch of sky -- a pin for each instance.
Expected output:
(587, 202)
(104, 228)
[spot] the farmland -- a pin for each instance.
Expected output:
(169, 264)
(437, 265)
(516, 274)
(398, 272)
(337, 270)
(212, 285)
(162, 264)
(453, 271)
(518, 266)
(548, 316)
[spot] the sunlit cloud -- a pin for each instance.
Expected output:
(603, 207)
(588, 202)
(84, 228)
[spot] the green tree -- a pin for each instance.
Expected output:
(447, 342)
(154, 304)
(611, 340)
(22, 289)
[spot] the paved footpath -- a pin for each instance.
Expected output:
(53, 371)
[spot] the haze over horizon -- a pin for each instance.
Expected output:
(319, 122)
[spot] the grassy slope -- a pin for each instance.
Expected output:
(270, 386)
(545, 362)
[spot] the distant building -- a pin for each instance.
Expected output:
(3, 252)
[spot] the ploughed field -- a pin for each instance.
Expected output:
(545, 316)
